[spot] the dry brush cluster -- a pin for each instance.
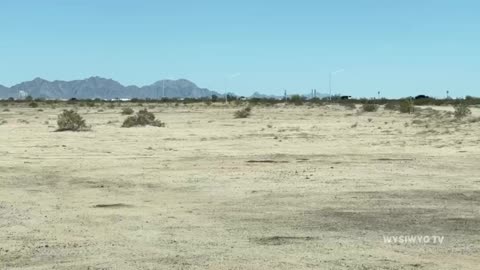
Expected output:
(243, 113)
(70, 120)
(141, 119)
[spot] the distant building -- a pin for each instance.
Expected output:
(22, 94)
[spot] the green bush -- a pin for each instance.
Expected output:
(33, 104)
(127, 111)
(70, 120)
(407, 106)
(461, 110)
(141, 119)
(243, 113)
(369, 107)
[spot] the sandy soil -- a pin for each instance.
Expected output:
(288, 188)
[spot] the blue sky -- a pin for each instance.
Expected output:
(400, 48)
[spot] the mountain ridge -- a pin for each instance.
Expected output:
(103, 88)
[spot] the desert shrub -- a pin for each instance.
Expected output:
(391, 106)
(70, 120)
(127, 111)
(243, 113)
(297, 100)
(6, 110)
(407, 106)
(2, 122)
(369, 107)
(141, 119)
(33, 104)
(462, 110)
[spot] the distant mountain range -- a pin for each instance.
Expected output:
(97, 87)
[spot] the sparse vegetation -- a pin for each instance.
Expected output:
(407, 106)
(297, 100)
(369, 107)
(141, 119)
(33, 104)
(70, 120)
(348, 106)
(243, 113)
(127, 111)
(391, 106)
(462, 110)
(237, 102)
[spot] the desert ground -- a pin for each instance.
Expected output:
(291, 187)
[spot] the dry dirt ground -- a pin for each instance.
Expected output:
(288, 188)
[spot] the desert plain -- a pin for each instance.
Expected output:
(290, 187)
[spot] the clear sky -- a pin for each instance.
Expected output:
(401, 47)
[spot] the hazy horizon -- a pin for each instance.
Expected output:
(399, 48)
